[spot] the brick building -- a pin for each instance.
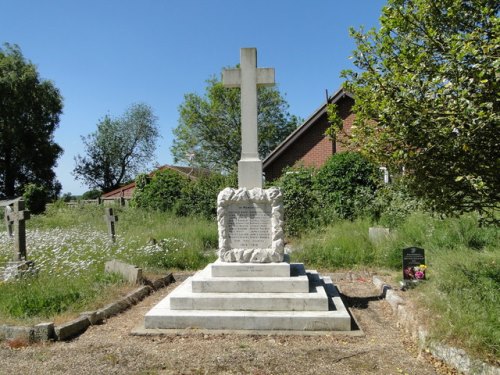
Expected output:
(307, 145)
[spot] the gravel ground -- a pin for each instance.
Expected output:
(111, 349)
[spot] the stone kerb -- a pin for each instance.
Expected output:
(250, 223)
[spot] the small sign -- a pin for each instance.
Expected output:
(414, 264)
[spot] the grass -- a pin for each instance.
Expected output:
(461, 296)
(69, 247)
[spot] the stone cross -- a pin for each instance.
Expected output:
(8, 220)
(17, 217)
(248, 77)
(111, 220)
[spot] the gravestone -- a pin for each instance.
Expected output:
(8, 220)
(110, 219)
(413, 264)
(251, 286)
(377, 234)
(16, 217)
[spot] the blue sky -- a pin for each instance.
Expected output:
(104, 55)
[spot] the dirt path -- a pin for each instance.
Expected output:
(111, 349)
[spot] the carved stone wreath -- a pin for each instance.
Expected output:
(270, 196)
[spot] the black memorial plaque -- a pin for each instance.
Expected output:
(414, 263)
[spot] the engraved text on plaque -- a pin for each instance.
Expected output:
(249, 225)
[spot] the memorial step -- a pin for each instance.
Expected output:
(183, 298)
(335, 318)
(224, 269)
(202, 282)
(163, 317)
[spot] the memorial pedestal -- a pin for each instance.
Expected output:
(239, 296)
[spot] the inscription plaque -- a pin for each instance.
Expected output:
(249, 225)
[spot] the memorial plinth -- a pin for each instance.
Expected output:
(300, 301)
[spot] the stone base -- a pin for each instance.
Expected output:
(16, 269)
(257, 298)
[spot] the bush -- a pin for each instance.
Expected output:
(35, 198)
(200, 196)
(161, 192)
(393, 204)
(346, 184)
(92, 194)
(299, 199)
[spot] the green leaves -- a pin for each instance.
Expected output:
(29, 114)
(119, 149)
(209, 131)
(426, 99)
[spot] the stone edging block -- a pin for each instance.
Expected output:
(406, 320)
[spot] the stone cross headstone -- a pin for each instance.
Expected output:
(8, 220)
(111, 220)
(248, 77)
(17, 217)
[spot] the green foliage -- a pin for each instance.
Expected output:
(346, 184)
(162, 192)
(209, 131)
(35, 198)
(199, 197)
(343, 244)
(71, 244)
(66, 197)
(92, 194)
(468, 281)
(171, 253)
(343, 187)
(29, 115)
(300, 200)
(393, 204)
(427, 99)
(335, 121)
(463, 288)
(45, 296)
(119, 149)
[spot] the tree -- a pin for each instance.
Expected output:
(427, 99)
(119, 149)
(209, 131)
(161, 192)
(29, 114)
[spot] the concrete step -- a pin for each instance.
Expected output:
(202, 282)
(335, 318)
(183, 298)
(223, 269)
(162, 317)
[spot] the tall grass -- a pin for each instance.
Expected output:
(69, 247)
(462, 293)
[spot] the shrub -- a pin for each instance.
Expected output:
(299, 199)
(200, 197)
(92, 194)
(346, 184)
(161, 192)
(35, 197)
(393, 204)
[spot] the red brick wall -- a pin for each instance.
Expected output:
(126, 192)
(313, 148)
